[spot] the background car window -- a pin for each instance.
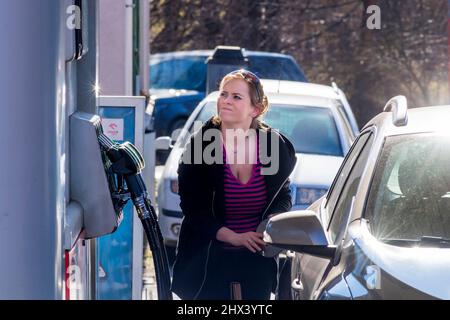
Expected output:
(343, 205)
(189, 72)
(280, 68)
(310, 129)
(178, 73)
(343, 174)
(410, 194)
(205, 113)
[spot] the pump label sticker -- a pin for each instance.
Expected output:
(113, 128)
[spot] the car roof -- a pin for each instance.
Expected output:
(299, 88)
(420, 120)
(207, 53)
(294, 93)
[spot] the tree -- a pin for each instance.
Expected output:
(329, 39)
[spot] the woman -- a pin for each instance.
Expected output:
(224, 202)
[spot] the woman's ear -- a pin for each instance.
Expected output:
(256, 111)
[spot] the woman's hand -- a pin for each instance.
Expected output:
(251, 240)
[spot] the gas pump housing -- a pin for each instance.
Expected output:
(89, 185)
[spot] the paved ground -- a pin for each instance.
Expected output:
(149, 291)
(149, 284)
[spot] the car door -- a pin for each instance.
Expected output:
(311, 272)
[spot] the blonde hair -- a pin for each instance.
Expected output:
(257, 96)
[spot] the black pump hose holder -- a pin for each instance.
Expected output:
(123, 162)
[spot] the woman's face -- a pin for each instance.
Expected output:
(234, 105)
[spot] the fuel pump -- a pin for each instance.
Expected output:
(105, 176)
(123, 166)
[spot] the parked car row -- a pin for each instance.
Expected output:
(178, 81)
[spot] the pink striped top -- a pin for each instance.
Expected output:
(244, 203)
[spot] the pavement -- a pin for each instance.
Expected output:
(149, 290)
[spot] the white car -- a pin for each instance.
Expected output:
(316, 118)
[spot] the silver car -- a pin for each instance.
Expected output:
(383, 229)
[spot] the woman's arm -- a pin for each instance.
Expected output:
(196, 195)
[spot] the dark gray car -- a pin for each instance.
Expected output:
(383, 229)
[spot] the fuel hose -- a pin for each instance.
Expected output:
(126, 164)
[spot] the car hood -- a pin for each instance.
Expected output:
(315, 170)
(424, 269)
(166, 94)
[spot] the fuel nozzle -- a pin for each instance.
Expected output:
(125, 157)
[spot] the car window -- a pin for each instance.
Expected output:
(310, 129)
(207, 111)
(344, 201)
(281, 68)
(410, 193)
(343, 173)
(178, 73)
(189, 72)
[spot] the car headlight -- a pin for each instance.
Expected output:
(306, 196)
(174, 186)
(175, 228)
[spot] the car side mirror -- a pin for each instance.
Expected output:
(163, 143)
(299, 231)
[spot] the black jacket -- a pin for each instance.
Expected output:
(201, 190)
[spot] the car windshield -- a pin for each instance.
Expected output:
(410, 194)
(310, 129)
(189, 72)
(279, 68)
